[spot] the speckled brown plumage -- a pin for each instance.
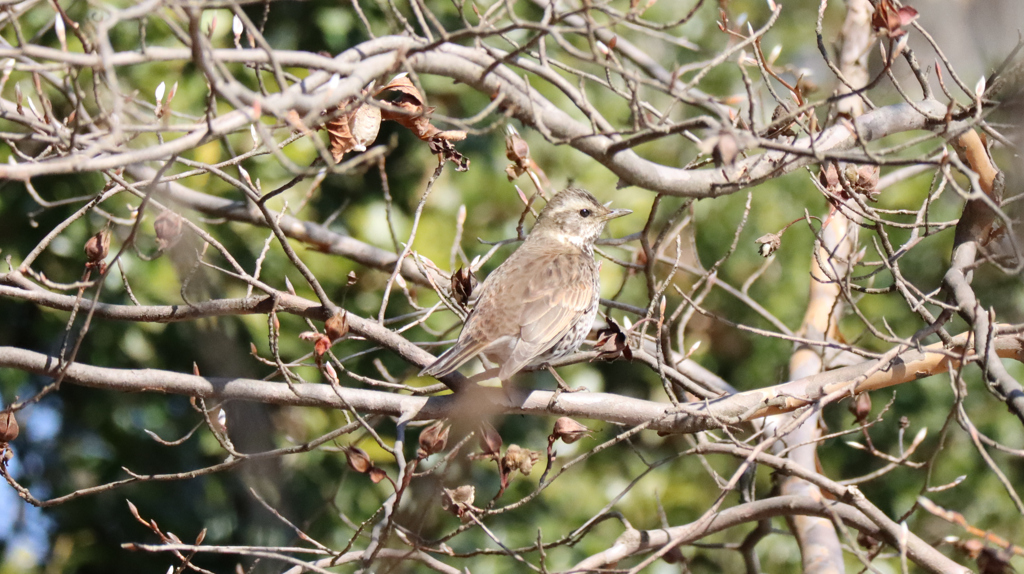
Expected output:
(540, 304)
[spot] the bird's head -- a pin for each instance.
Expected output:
(574, 216)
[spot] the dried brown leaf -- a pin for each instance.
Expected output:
(413, 115)
(890, 21)
(612, 343)
(354, 128)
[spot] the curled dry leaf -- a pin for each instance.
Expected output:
(358, 460)
(463, 283)
(612, 342)
(890, 21)
(829, 179)
(9, 428)
(569, 431)
(415, 116)
(354, 128)
(434, 438)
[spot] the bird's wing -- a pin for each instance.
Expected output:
(477, 333)
(552, 304)
(465, 349)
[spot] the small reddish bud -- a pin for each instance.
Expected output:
(377, 474)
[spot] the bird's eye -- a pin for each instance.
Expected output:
(584, 213)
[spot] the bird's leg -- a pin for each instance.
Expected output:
(562, 386)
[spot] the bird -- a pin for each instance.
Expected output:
(540, 303)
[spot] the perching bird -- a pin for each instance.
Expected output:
(540, 304)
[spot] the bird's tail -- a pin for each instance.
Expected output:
(453, 358)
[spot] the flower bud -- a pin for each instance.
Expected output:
(167, 228)
(434, 438)
(490, 440)
(98, 246)
(569, 431)
(377, 474)
(861, 407)
(358, 460)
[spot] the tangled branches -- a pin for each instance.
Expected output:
(240, 233)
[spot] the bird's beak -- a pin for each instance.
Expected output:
(617, 213)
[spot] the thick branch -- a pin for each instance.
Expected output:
(468, 66)
(477, 401)
(634, 542)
